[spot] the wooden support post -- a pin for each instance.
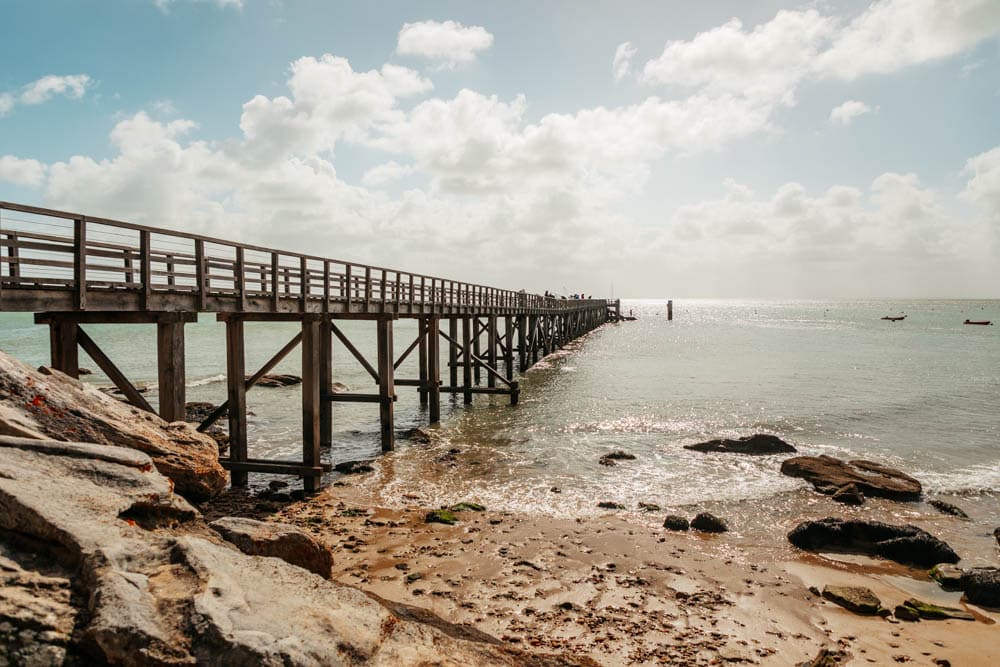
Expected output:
(80, 262)
(476, 331)
(170, 367)
(452, 352)
(64, 353)
(236, 389)
(670, 309)
(422, 336)
(326, 381)
(131, 394)
(491, 345)
(434, 368)
(386, 386)
(522, 350)
(467, 324)
(310, 399)
(508, 350)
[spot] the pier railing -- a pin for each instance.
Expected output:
(57, 260)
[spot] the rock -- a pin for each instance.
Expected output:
(198, 411)
(858, 599)
(278, 540)
(996, 535)
(441, 516)
(339, 388)
(183, 596)
(827, 657)
(904, 613)
(354, 467)
(467, 507)
(84, 371)
(418, 435)
(48, 404)
(758, 444)
(903, 544)
(676, 522)
(610, 505)
(649, 507)
(612, 458)
(709, 523)
(278, 380)
(982, 586)
(556, 489)
(872, 479)
(926, 610)
(947, 508)
(849, 494)
(947, 575)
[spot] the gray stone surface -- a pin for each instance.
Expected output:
(278, 540)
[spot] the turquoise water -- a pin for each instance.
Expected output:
(829, 376)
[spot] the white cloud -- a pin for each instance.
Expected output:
(41, 90)
(892, 34)
(164, 5)
(771, 60)
(21, 171)
(845, 113)
(449, 42)
(984, 186)
(623, 60)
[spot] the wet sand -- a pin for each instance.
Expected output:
(625, 592)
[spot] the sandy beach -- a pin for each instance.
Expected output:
(624, 592)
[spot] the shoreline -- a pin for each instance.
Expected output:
(621, 592)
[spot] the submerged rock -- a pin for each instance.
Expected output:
(827, 657)
(903, 544)
(858, 599)
(354, 467)
(612, 458)
(948, 508)
(996, 535)
(849, 494)
(827, 474)
(278, 380)
(709, 523)
(676, 522)
(758, 444)
(610, 505)
(279, 540)
(46, 404)
(467, 507)
(649, 507)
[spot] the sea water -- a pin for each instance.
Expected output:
(831, 377)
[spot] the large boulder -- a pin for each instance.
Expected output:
(161, 588)
(828, 474)
(47, 404)
(757, 444)
(903, 544)
(982, 586)
(858, 599)
(279, 540)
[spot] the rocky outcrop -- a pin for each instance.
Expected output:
(758, 444)
(982, 586)
(849, 495)
(354, 467)
(278, 540)
(612, 458)
(828, 474)
(676, 522)
(47, 404)
(948, 508)
(903, 544)
(947, 575)
(919, 609)
(278, 380)
(162, 588)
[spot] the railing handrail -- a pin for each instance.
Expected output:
(354, 273)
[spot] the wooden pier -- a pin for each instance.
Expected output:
(73, 270)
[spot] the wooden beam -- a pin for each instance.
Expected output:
(310, 399)
(422, 338)
(433, 378)
(64, 354)
(274, 467)
(114, 317)
(145, 271)
(354, 351)
(452, 352)
(131, 394)
(357, 398)
(522, 347)
(508, 350)
(386, 388)
(491, 345)
(170, 370)
(325, 381)
(236, 387)
(80, 261)
(466, 359)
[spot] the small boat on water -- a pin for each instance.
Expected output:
(979, 322)
(894, 319)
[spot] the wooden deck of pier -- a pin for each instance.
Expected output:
(73, 270)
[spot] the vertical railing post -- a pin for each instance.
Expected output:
(326, 286)
(80, 261)
(275, 292)
(303, 283)
(238, 278)
(368, 288)
(201, 274)
(145, 270)
(350, 286)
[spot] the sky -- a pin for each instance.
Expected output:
(635, 149)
